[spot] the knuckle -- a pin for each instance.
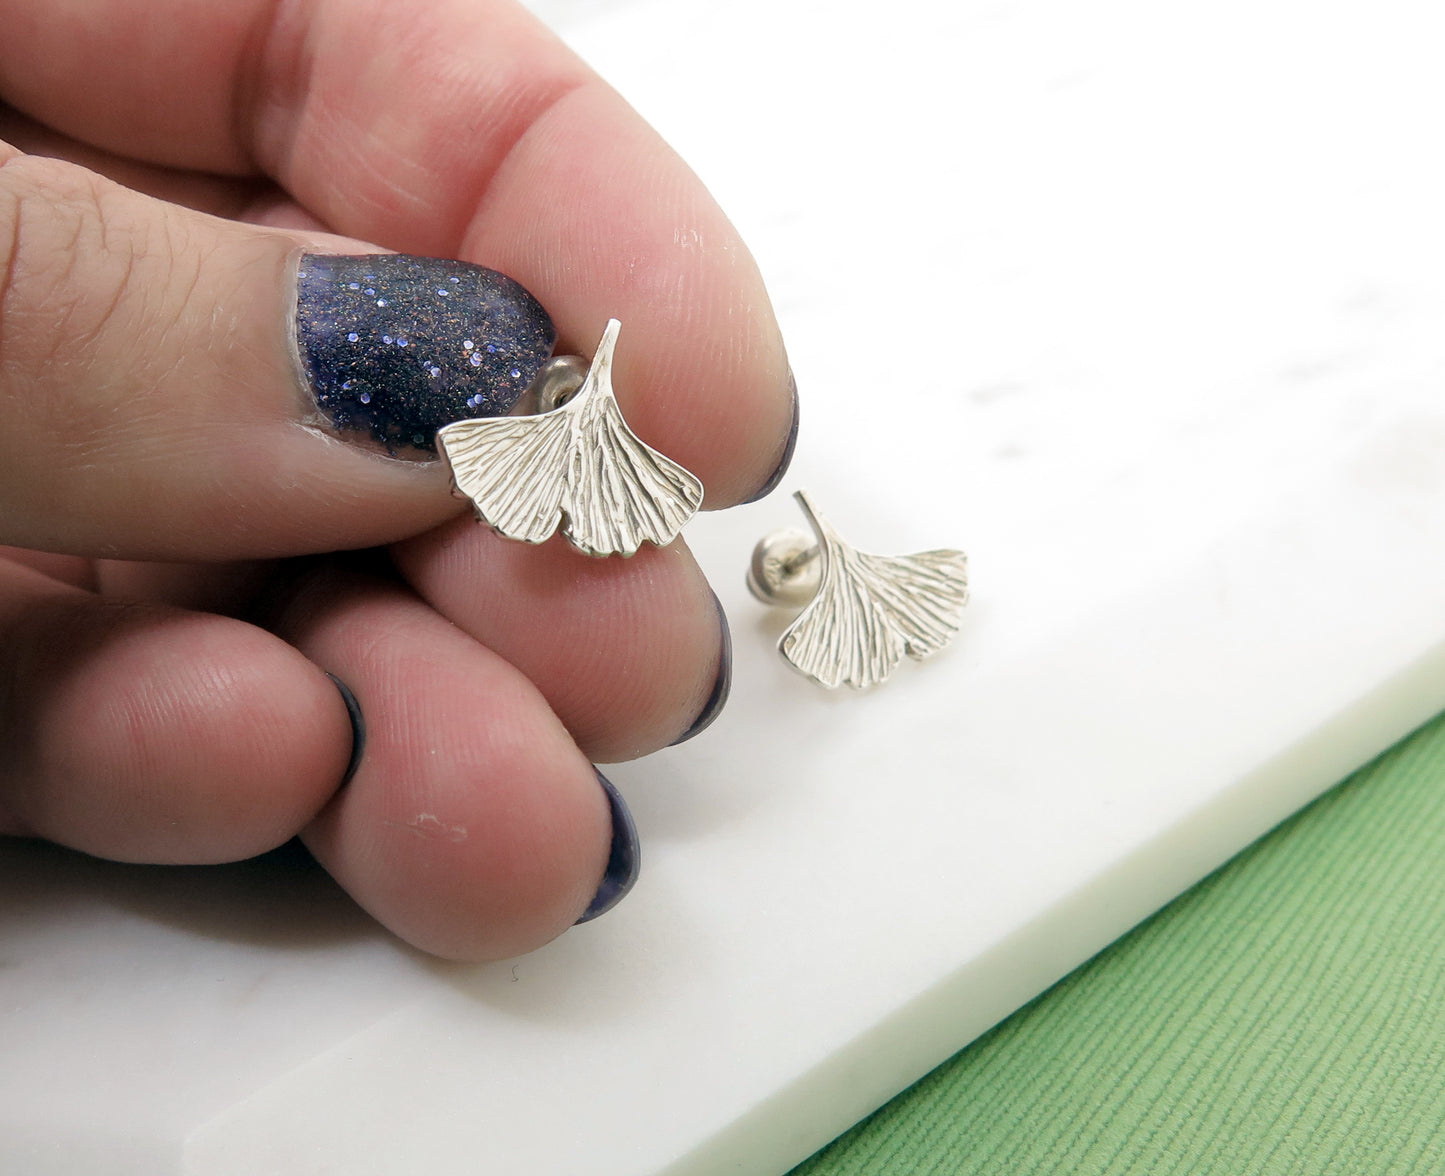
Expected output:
(82, 268)
(65, 265)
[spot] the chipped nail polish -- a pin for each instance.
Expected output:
(791, 444)
(721, 687)
(395, 346)
(358, 729)
(625, 860)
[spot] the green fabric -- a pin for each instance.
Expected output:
(1287, 1015)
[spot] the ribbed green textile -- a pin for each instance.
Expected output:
(1287, 1015)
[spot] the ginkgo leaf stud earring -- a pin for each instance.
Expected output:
(864, 612)
(575, 467)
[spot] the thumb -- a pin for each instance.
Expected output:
(158, 404)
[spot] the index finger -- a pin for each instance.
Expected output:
(451, 128)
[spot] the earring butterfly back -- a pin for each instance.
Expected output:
(863, 612)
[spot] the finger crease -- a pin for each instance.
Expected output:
(272, 61)
(521, 128)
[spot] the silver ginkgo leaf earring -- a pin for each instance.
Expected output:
(575, 466)
(864, 612)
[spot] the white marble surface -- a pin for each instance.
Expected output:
(1141, 306)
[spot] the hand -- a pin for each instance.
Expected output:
(167, 627)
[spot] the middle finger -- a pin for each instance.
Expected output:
(632, 654)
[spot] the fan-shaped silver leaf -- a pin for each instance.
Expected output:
(579, 468)
(872, 609)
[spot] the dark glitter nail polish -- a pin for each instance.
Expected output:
(625, 860)
(792, 443)
(358, 729)
(395, 346)
(721, 687)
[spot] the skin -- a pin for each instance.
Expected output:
(166, 625)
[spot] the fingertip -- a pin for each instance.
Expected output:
(625, 651)
(702, 372)
(473, 828)
(486, 866)
(162, 736)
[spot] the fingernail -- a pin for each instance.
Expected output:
(625, 860)
(394, 346)
(721, 687)
(358, 729)
(792, 443)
